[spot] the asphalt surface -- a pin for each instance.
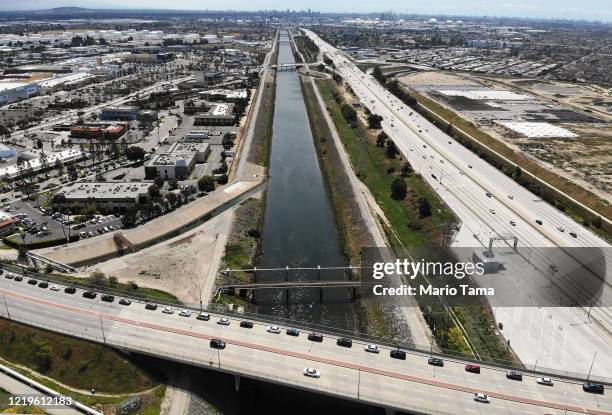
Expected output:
(351, 373)
(463, 180)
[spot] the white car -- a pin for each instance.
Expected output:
(55, 288)
(545, 381)
(185, 313)
(312, 373)
(560, 229)
(274, 329)
(168, 310)
(372, 348)
(223, 322)
(481, 397)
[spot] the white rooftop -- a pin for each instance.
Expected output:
(538, 129)
(485, 95)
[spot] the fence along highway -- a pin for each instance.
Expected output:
(352, 373)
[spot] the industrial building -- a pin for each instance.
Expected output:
(177, 162)
(12, 91)
(127, 113)
(108, 197)
(212, 113)
(34, 163)
(229, 95)
(208, 78)
(152, 58)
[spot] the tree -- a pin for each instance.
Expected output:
(349, 113)
(59, 165)
(391, 149)
(39, 144)
(172, 198)
(173, 184)
(159, 182)
(97, 278)
(406, 169)
(424, 207)
(135, 153)
(399, 189)
(153, 191)
(206, 184)
(381, 139)
(378, 75)
(374, 121)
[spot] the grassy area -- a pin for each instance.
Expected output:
(445, 116)
(151, 403)
(408, 229)
(73, 362)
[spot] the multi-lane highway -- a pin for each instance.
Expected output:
(490, 204)
(352, 373)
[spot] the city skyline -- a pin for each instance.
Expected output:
(593, 10)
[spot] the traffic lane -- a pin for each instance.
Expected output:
(180, 331)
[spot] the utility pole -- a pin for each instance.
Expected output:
(591, 368)
(102, 327)
(6, 305)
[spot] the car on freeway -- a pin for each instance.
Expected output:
(560, 229)
(273, 329)
(217, 344)
(9, 276)
(315, 337)
(472, 368)
(223, 322)
(185, 313)
(538, 221)
(510, 197)
(293, 332)
(124, 301)
(43, 284)
(573, 235)
(488, 194)
(593, 387)
(344, 342)
(18, 278)
(32, 281)
(398, 354)
(372, 348)
(246, 324)
(203, 316)
(481, 397)
(514, 375)
(168, 310)
(545, 381)
(151, 306)
(492, 211)
(435, 361)
(513, 223)
(90, 294)
(312, 373)
(70, 290)
(108, 298)
(470, 166)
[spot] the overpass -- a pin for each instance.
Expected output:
(288, 66)
(350, 373)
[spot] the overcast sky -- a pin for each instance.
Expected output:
(566, 9)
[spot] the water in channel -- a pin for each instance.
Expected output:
(299, 227)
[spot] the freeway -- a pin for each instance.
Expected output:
(351, 373)
(490, 204)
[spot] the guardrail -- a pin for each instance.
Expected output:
(334, 332)
(45, 390)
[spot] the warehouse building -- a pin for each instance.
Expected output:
(34, 163)
(12, 91)
(107, 197)
(178, 162)
(215, 113)
(127, 113)
(227, 95)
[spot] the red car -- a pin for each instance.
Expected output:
(472, 368)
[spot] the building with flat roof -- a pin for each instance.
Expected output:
(12, 91)
(127, 113)
(98, 131)
(177, 162)
(34, 163)
(108, 197)
(6, 151)
(228, 95)
(208, 78)
(214, 113)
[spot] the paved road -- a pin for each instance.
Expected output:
(463, 180)
(351, 373)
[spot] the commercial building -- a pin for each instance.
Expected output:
(6, 152)
(127, 113)
(109, 197)
(13, 91)
(177, 162)
(214, 113)
(229, 95)
(208, 78)
(36, 163)
(8, 225)
(98, 131)
(152, 58)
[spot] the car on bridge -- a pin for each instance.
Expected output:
(90, 294)
(43, 284)
(107, 298)
(246, 324)
(70, 290)
(274, 329)
(514, 375)
(168, 310)
(372, 348)
(185, 313)
(472, 368)
(481, 397)
(315, 337)
(223, 322)
(344, 342)
(55, 287)
(593, 388)
(312, 373)
(151, 306)
(125, 301)
(293, 332)
(435, 361)
(32, 281)
(545, 381)
(398, 354)
(217, 344)
(203, 316)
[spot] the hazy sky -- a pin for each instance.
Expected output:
(566, 9)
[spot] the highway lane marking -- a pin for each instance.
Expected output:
(329, 361)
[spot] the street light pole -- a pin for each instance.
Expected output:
(592, 362)
(6, 305)
(102, 327)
